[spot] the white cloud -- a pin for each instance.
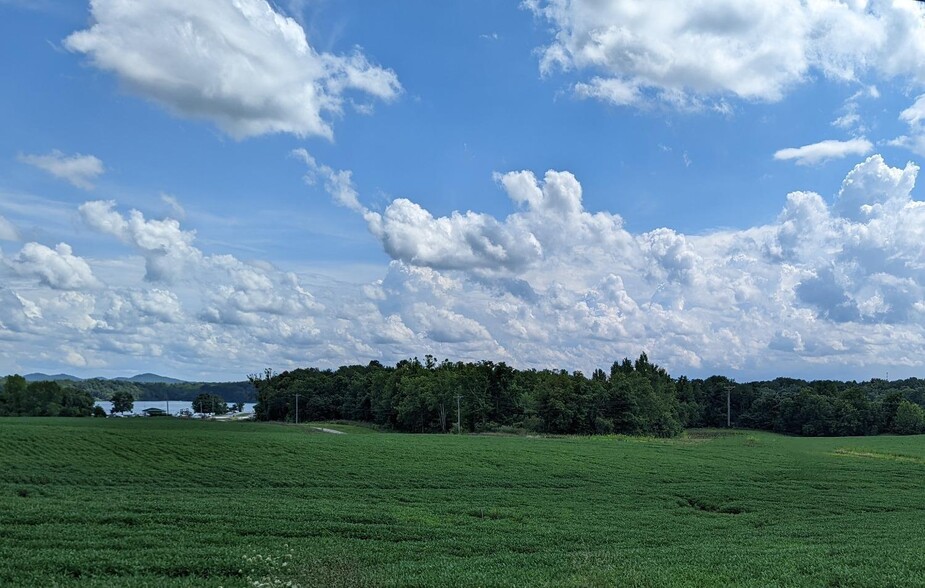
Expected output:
(552, 219)
(75, 359)
(167, 249)
(824, 285)
(79, 170)
(392, 330)
(241, 65)
(339, 184)
(640, 51)
(162, 305)
(615, 91)
(874, 190)
(823, 151)
(442, 325)
(828, 289)
(176, 209)
(57, 268)
(914, 117)
(851, 119)
(8, 231)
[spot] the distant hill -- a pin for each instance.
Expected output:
(39, 377)
(149, 378)
(149, 386)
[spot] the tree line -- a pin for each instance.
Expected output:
(21, 398)
(634, 397)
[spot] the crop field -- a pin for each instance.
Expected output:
(162, 502)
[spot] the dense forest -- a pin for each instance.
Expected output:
(19, 398)
(636, 398)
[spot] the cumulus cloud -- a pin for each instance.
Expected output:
(79, 170)
(874, 190)
(552, 218)
(825, 284)
(827, 289)
(637, 51)
(161, 305)
(446, 326)
(57, 268)
(823, 151)
(167, 249)
(241, 65)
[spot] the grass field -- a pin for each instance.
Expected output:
(162, 502)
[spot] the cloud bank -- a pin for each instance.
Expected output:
(828, 289)
(828, 285)
(242, 65)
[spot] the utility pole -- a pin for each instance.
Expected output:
(458, 416)
(297, 409)
(728, 406)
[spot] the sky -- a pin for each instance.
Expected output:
(205, 189)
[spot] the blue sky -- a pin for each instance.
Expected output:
(204, 190)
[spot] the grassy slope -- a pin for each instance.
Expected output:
(164, 502)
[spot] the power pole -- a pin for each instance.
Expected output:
(728, 406)
(458, 416)
(297, 409)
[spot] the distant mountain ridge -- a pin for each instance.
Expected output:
(149, 378)
(149, 386)
(146, 378)
(39, 377)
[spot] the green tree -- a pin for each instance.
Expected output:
(122, 401)
(210, 403)
(44, 399)
(14, 393)
(910, 419)
(888, 407)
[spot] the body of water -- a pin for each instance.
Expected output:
(175, 406)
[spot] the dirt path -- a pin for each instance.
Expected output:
(332, 431)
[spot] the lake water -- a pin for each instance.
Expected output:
(175, 406)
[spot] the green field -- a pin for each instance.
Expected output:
(161, 502)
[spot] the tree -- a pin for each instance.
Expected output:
(44, 399)
(210, 403)
(910, 419)
(14, 395)
(122, 401)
